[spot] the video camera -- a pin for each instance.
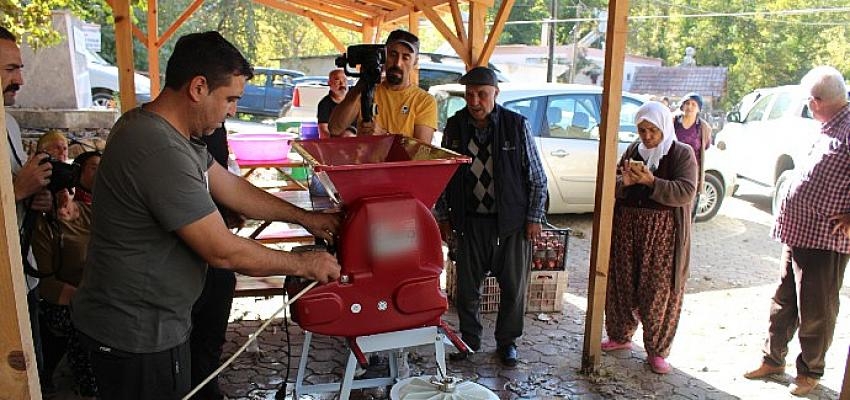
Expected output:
(371, 59)
(63, 175)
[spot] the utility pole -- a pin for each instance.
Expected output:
(552, 28)
(573, 62)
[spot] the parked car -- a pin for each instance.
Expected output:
(771, 139)
(306, 96)
(565, 122)
(103, 77)
(268, 92)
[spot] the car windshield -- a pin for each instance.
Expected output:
(94, 58)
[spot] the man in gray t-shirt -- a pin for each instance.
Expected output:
(156, 228)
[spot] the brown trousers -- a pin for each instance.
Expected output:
(807, 298)
(640, 279)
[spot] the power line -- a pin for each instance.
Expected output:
(743, 14)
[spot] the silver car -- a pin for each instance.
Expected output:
(565, 122)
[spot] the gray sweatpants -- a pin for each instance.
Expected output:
(508, 259)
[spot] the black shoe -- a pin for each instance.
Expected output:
(508, 355)
(459, 356)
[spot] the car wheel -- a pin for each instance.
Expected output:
(783, 183)
(284, 109)
(102, 98)
(711, 198)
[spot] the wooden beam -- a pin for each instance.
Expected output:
(153, 48)
(495, 31)
(477, 29)
(369, 6)
(845, 388)
(413, 23)
(190, 9)
(403, 12)
(457, 17)
(285, 6)
(341, 13)
(461, 49)
(328, 34)
(124, 53)
(385, 4)
(140, 36)
(367, 33)
(600, 250)
(19, 373)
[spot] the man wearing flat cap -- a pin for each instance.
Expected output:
(493, 209)
(402, 107)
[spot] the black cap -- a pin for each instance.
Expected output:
(479, 76)
(404, 37)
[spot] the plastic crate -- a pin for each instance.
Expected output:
(550, 250)
(546, 291)
(489, 290)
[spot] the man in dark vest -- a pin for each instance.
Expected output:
(493, 209)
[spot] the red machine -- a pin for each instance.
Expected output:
(389, 245)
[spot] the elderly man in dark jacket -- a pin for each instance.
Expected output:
(493, 208)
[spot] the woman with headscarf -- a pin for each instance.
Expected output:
(692, 130)
(650, 244)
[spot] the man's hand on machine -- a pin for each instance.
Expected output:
(319, 266)
(322, 224)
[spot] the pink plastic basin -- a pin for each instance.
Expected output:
(261, 146)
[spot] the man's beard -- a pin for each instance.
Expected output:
(395, 76)
(12, 88)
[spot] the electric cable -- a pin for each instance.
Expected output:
(251, 338)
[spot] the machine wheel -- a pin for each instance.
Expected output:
(783, 183)
(711, 198)
(102, 98)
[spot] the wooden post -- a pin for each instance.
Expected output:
(413, 27)
(153, 47)
(477, 29)
(600, 250)
(124, 53)
(18, 372)
(845, 388)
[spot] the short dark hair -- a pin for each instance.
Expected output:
(206, 54)
(5, 34)
(84, 157)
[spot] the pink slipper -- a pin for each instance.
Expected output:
(611, 345)
(659, 365)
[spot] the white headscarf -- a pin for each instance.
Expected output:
(659, 115)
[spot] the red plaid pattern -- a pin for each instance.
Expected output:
(820, 189)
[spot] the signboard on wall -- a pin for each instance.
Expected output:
(91, 35)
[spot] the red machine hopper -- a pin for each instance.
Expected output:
(389, 244)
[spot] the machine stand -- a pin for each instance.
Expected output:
(369, 344)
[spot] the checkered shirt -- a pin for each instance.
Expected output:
(820, 189)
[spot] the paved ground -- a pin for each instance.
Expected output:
(734, 268)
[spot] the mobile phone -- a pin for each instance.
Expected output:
(636, 163)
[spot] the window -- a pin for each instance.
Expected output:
(259, 79)
(784, 101)
(572, 116)
(281, 81)
(531, 109)
(628, 129)
(759, 109)
(431, 77)
(447, 106)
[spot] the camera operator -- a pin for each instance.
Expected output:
(30, 176)
(402, 107)
(155, 228)
(55, 144)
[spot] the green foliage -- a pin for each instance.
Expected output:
(759, 50)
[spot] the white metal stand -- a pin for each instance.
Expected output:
(369, 344)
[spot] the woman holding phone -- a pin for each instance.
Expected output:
(650, 246)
